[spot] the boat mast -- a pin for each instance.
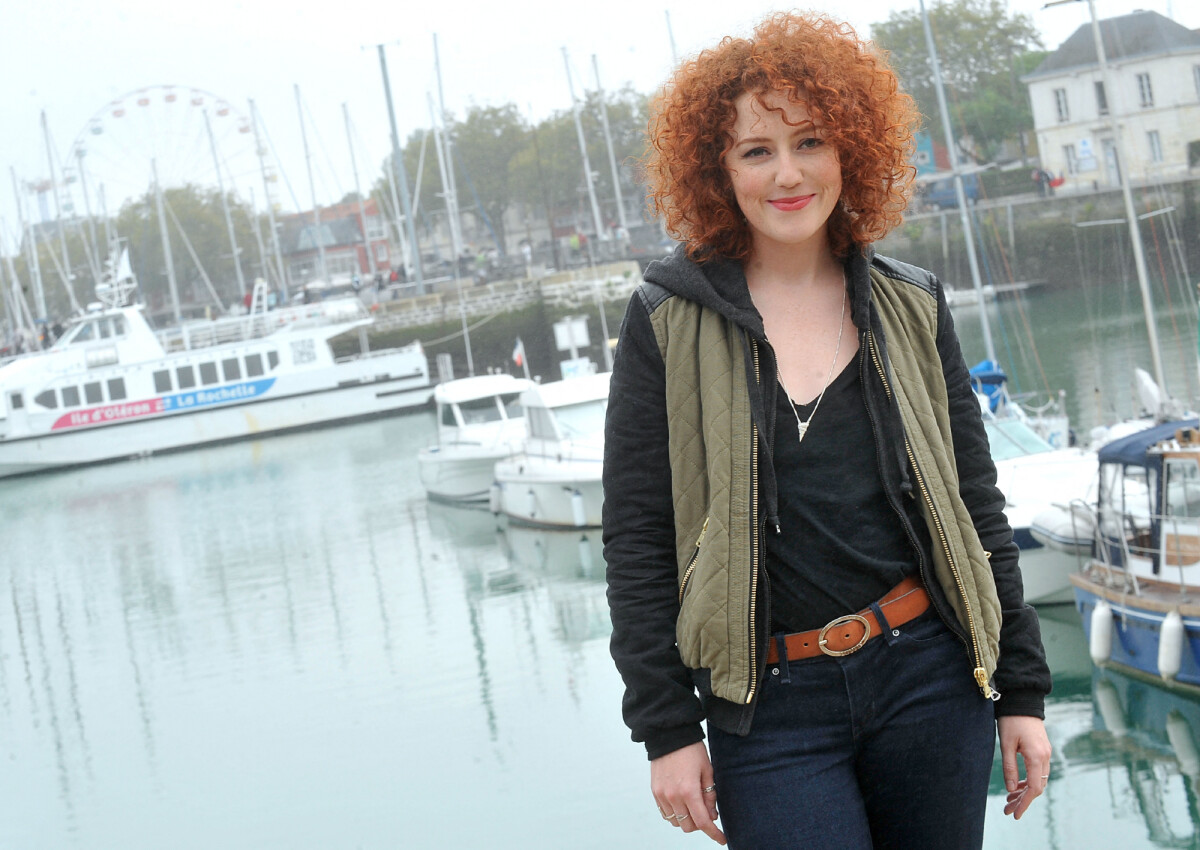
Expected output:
(237, 253)
(39, 294)
(93, 252)
(963, 213)
(270, 202)
(166, 240)
(401, 175)
(612, 159)
(62, 230)
(449, 183)
(587, 167)
(317, 236)
(455, 244)
(362, 208)
(1123, 179)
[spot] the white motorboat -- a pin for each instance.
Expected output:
(1033, 476)
(479, 422)
(113, 388)
(555, 480)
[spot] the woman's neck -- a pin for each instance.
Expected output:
(791, 266)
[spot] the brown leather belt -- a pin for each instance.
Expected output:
(847, 634)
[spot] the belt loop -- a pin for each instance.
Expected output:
(785, 675)
(885, 628)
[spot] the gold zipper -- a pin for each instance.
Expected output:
(687, 574)
(753, 533)
(980, 674)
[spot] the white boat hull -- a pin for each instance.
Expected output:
(463, 475)
(546, 493)
(137, 436)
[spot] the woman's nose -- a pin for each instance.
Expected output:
(789, 172)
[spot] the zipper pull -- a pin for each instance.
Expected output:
(703, 531)
(981, 679)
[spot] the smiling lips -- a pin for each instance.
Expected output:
(791, 204)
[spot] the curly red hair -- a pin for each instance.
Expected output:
(846, 86)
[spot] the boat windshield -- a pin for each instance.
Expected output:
(1011, 438)
(512, 405)
(581, 419)
(476, 411)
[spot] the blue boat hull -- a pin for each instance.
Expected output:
(1136, 630)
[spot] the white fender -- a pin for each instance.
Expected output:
(494, 500)
(1108, 703)
(532, 498)
(1179, 734)
(578, 514)
(1101, 633)
(1170, 646)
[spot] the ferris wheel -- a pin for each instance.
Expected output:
(164, 129)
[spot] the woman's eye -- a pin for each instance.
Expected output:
(754, 152)
(809, 143)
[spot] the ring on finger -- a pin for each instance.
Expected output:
(710, 789)
(682, 817)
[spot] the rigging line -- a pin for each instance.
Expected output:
(192, 251)
(271, 145)
(332, 192)
(1020, 302)
(458, 334)
(1166, 287)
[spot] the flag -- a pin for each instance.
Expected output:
(518, 354)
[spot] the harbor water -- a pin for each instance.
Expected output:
(283, 644)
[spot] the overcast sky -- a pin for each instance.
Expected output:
(79, 62)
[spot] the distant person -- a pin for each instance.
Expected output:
(807, 554)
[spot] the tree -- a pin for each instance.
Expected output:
(201, 224)
(982, 51)
(484, 147)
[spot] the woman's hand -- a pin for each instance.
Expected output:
(1027, 736)
(682, 782)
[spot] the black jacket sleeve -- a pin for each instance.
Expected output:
(660, 705)
(1022, 675)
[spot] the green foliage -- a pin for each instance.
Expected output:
(201, 219)
(982, 51)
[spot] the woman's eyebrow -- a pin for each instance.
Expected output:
(806, 127)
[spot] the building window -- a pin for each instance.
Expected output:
(254, 365)
(232, 369)
(47, 399)
(208, 373)
(162, 381)
(116, 389)
(70, 396)
(1072, 160)
(17, 401)
(1145, 91)
(1101, 99)
(92, 392)
(272, 359)
(186, 376)
(1060, 105)
(1155, 146)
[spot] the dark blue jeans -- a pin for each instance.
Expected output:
(890, 747)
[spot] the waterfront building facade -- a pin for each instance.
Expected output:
(1154, 69)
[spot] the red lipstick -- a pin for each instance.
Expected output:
(791, 204)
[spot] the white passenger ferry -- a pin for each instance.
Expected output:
(113, 388)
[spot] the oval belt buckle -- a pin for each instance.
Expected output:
(822, 643)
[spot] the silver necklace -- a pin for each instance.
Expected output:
(802, 424)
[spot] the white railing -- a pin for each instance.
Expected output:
(206, 334)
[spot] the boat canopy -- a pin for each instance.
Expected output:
(1135, 449)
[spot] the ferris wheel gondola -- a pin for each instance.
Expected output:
(163, 128)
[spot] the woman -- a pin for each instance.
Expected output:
(806, 548)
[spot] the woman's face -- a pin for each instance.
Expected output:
(786, 178)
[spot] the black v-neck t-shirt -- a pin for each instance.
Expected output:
(841, 545)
